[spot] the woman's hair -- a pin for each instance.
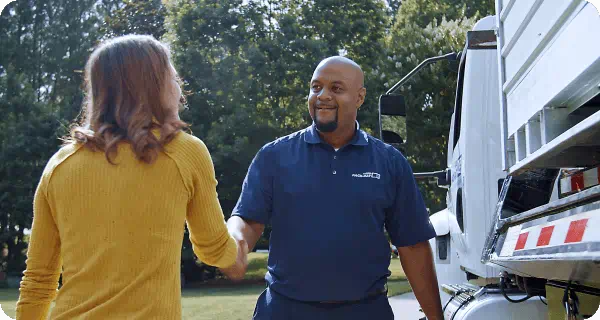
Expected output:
(125, 82)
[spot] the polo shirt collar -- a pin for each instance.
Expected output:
(311, 136)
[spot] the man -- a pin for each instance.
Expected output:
(329, 192)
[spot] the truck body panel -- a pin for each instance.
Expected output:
(549, 68)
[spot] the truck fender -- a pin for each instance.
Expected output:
(444, 222)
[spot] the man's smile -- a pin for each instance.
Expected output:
(323, 107)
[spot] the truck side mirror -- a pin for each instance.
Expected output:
(392, 105)
(392, 117)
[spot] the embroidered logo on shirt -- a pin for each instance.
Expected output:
(373, 175)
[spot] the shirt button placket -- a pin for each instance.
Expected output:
(334, 164)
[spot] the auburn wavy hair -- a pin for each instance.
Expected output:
(126, 84)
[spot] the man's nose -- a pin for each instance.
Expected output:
(324, 95)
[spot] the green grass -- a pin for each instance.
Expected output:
(226, 303)
(229, 303)
(235, 302)
(396, 269)
(8, 300)
(232, 302)
(397, 283)
(257, 266)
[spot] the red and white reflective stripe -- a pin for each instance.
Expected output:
(579, 181)
(568, 230)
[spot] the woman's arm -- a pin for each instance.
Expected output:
(210, 238)
(40, 280)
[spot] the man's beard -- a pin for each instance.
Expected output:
(325, 126)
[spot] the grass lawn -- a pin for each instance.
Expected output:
(227, 302)
(397, 283)
(230, 303)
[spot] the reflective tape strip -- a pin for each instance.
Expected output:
(573, 229)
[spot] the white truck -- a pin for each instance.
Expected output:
(520, 237)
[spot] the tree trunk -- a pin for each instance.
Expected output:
(35, 52)
(11, 245)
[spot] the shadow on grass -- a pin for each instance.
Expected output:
(12, 295)
(395, 287)
(239, 290)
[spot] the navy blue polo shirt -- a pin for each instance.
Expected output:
(328, 211)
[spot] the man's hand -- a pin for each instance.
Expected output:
(247, 230)
(237, 271)
(417, 263)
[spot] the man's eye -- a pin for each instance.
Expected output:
(316, 88)
(337, 89)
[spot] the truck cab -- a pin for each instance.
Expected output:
(522, 154)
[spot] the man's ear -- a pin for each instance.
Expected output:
(362, 93)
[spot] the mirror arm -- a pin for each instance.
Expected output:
(443, 177)
(449, 56)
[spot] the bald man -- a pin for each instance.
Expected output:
(329, 192)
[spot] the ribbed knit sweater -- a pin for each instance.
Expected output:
(115, 232)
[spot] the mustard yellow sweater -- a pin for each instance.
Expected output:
(115, 232)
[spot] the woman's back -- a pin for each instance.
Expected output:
(120, 228)
(110, 207)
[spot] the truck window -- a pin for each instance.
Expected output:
(459, 210)
(458, 100)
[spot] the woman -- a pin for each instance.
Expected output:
(110, 208)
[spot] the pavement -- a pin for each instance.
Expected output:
(406, 307)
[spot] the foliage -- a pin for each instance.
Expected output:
(246, 66)
(421, 13)
(133, 17)
(24, 148)
(44, 44)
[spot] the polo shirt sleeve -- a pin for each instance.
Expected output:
(407, 221)
(256, 199)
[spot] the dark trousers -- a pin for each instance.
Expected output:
(274, 306)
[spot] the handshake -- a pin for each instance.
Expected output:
(246, 235)
(237, 271)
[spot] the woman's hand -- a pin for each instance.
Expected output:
(237, 271)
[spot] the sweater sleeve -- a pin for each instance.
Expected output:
(210, 239)
(40, 279)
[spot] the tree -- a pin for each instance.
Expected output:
(44, 46)
(247, 66)
(422, 13)
(133, 17)
(394, 5)
(25, 145)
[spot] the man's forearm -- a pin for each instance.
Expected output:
(417, 263)
(248, 231)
